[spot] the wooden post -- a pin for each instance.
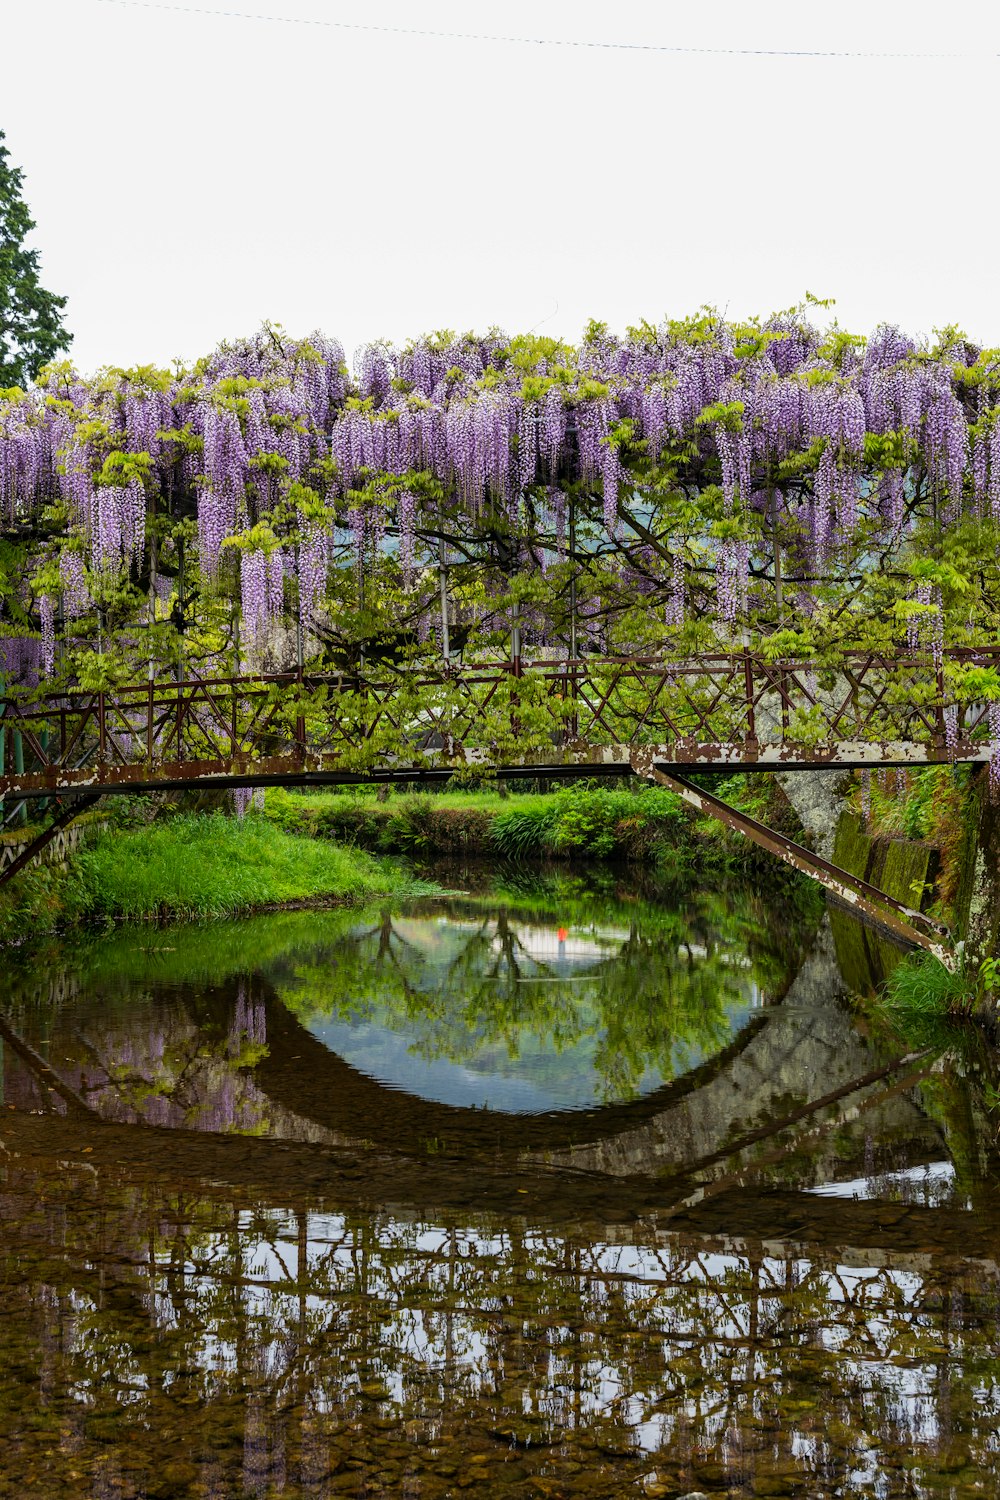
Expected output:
(573, 652)
(150, 668)
(574, 648)
(361, 607)
(300, 662)
(941, 732)
(515, 640)
(179, 663)
(43, 740)
(751, 716)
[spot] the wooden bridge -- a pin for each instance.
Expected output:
(589, 716)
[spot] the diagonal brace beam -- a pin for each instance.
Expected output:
(912, 927)
(43, 839)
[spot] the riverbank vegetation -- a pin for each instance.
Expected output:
(190, 866)
(620, 822)
(921, 993)
(214, 866)
(157, 860)
(772, 927)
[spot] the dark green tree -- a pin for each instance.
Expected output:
(31, 319)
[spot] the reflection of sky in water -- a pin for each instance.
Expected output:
(928, 1183)
(532, 1074)
(874, 1330)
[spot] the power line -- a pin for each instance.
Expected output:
(530, 41)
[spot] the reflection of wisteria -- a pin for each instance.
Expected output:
(249, 1020)
(245, 797)
(161, 1069)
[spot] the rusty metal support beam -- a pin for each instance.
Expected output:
(42, 840)
(912, 927)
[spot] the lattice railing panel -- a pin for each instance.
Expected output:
(725, 708)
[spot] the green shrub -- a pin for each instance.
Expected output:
(591, 818)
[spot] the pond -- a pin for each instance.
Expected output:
(553, 1187)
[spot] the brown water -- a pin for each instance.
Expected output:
(546, 1192)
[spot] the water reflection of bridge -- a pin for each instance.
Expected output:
(796, 1074)
(352, 1303)
(394, 1285)
(797, 1091)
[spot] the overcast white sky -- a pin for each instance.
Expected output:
(193, 174)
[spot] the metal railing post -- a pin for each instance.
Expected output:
(748, 686)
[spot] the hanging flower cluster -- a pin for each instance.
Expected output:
(993, 719)
(261, 593)
(48, 616)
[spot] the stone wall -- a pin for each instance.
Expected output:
(904, 868)
(66, 842)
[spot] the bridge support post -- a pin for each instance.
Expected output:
(912, 927)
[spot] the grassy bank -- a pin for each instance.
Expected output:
(192, 866)
(637, 824)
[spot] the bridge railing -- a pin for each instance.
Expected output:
(733, 702)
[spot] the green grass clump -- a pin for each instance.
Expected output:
(923, 999)
(520, 832)
(215, 866)
(922, 984)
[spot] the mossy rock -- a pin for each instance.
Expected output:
(903, 868)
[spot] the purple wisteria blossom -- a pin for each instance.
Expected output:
(877, 429)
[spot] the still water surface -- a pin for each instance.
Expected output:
(546, 1190)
